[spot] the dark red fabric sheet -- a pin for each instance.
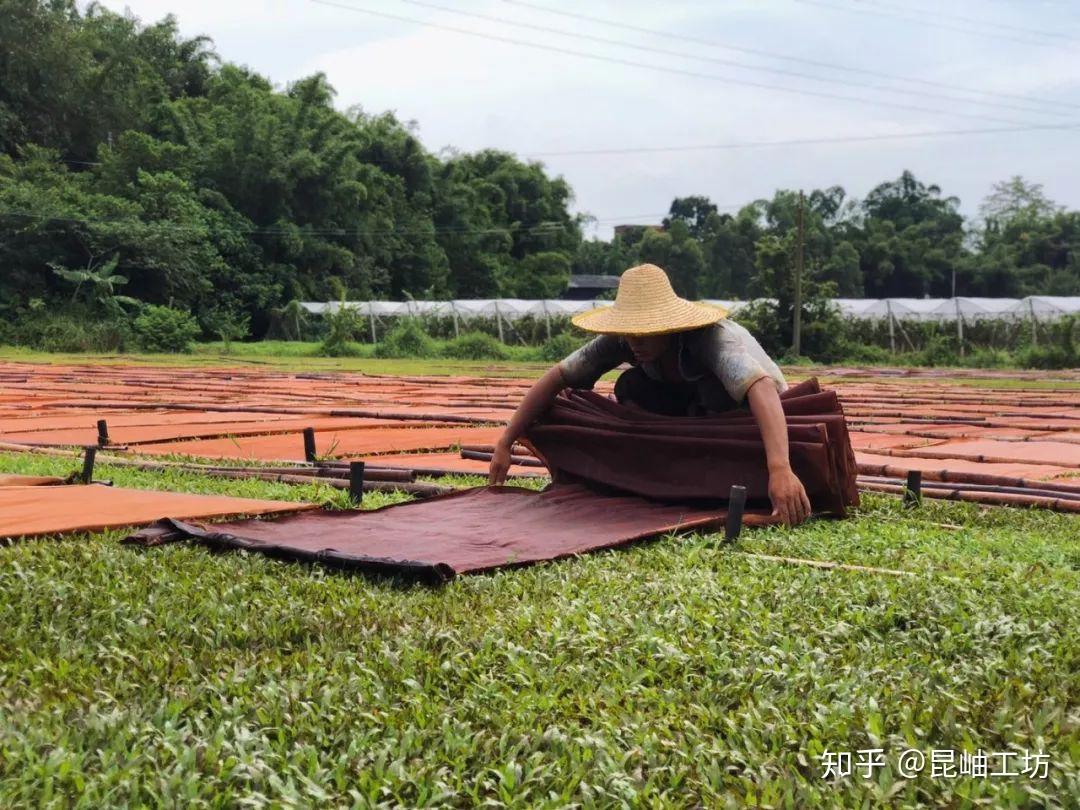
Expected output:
(472, 530)
(588, 437)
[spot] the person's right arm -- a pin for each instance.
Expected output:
(536, 401)
(581, 369)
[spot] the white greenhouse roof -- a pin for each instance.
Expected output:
(1043, 307)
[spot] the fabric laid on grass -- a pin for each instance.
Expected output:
(880, 464)
(438, 464)
(1064, 454)
(587, 437)
(338, 444)
(166, 432)
(870, 442)
(10, 480)
(472, 530)
(27, 511)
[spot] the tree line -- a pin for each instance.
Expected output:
(903, 240)
(137, 168)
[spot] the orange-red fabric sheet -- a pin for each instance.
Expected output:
(27, 511)
(914, 418)
(1063, 454)
(439, 462)
(9, 480)
(1035, 472)
(339, 444)
(136, 435)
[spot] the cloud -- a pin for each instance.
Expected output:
(472, 93)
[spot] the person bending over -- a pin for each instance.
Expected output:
(686, 359)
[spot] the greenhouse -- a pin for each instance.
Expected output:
(1039, 307)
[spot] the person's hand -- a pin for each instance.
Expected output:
(788, 497)
(500, 463)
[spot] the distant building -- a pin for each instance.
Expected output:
(586, 287)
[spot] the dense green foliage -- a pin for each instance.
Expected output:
(475, 346)
(903, 240)
(342, 326)
(558, 347)
(201, 187)
(161, 329)
(673, 673)
(407, 339)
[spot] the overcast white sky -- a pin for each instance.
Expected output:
(470, 92)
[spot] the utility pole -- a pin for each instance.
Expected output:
(796, 344)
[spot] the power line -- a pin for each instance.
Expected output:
(930, 24)
(974, 20)
(435, 230)
(801, 141)
(823, 141)
(625, 219)
(726, 62)
(659, 68)
(785, 57)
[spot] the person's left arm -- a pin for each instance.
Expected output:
(723, 348)
(786, 491)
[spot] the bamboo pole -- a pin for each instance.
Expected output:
(420, 490)
(370, 473)
(828, 564)
(992, 488)
(520, 461)
(373, 473)
(990, 498)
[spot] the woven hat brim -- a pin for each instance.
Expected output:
(679, 316)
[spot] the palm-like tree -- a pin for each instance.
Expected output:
(101, 283)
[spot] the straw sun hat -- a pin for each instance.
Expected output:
(646, 305)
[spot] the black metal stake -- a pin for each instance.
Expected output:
(913, 489)
(736, 505)
(90, 456)
(309, 445)
(102, 433)
(356, 481)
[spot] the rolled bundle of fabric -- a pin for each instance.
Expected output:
(586, 437)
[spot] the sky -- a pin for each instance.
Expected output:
(693, 73)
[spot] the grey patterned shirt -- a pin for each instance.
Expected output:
(724, 360)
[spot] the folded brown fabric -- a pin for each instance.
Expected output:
(589, 438)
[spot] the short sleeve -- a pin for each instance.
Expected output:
(725, 352)
(582, 368)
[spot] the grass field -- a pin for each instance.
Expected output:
(672, 673)
(287, 356)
